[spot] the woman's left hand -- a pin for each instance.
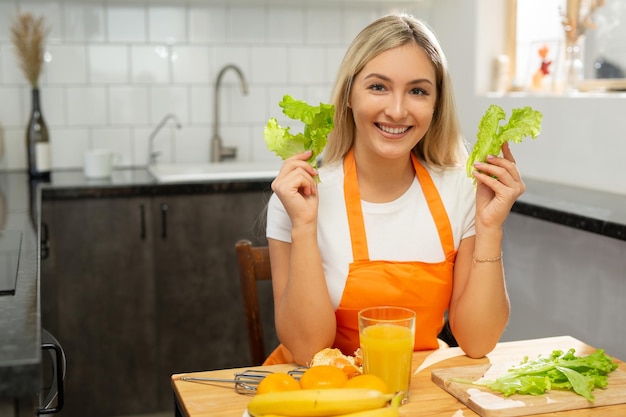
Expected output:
(499, 184)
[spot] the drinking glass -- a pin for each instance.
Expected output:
(387, 337)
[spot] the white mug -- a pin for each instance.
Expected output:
(99, 163)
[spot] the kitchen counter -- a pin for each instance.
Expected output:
(593, 211)
(20, 335)
(20, 324)
(126, 183)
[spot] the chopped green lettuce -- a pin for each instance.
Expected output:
(318, 123)
(492, 135)
(560, 371)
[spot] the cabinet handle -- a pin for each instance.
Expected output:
(142, 214)
(50, 343)
(164, 209)
(44, 242)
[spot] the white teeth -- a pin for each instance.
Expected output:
(393, 130)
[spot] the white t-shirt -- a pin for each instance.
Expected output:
(400, 230)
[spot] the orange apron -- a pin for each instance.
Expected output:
(423, 287)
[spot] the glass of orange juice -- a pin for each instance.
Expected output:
(387, 337)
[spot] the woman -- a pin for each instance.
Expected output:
(394, 220)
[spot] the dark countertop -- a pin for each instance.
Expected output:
(20, 324)
(593, 211)
(20, 335)
(136, 182)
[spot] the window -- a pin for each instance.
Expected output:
(541, 59)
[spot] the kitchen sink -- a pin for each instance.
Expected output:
(210, 171)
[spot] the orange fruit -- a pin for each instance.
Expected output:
(277, 382)
(369, 381)
(323, 376)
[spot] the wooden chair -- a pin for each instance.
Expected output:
(254, 264)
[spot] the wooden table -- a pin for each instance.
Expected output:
(203, 399)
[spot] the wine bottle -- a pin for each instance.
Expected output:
(37, 141)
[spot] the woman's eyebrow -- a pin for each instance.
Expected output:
(421, 80)
(385, 78)
(375, 75)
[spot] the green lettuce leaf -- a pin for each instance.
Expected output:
(318, 123)
(492, 134)
(558, 371)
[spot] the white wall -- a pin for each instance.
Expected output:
(583, 142)
(118, 68)
(106, 86)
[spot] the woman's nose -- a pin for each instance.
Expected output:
(396, 108)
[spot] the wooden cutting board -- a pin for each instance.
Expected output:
(487, 403)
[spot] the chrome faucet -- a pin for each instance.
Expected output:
(218, 151)
(152, 156)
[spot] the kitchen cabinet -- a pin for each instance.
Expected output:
(564, 280)
(200, 319)
(98, 298)
(139, 288)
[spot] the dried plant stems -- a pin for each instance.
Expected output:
(28, 34)
(577, 18)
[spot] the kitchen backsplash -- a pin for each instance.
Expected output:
(114, 70)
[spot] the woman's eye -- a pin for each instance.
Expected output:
(377, 87)
(419, 92)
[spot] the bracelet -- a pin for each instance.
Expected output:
(480, 261)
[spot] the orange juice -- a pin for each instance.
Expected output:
(387, 351)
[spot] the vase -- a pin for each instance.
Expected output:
(574, 65)
(37, 141)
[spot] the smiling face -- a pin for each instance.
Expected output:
(393, 98)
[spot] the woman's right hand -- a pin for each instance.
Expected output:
(296, 188)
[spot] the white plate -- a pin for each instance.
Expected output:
(246, 414)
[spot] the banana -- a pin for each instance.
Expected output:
(392, 411)
(376, 412)
(317, 402)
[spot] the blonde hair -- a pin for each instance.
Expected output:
(443, 144)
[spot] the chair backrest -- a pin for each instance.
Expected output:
(254, 264)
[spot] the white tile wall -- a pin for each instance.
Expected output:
(191, 64)
(207, 24)
(108, 64)
(167, 24)
(86, 106)
(126, 24)
(10, 106)
(11, 73)
(150, 64)
(116, 69)
(129, 105)
(286, 20)
(84, 22)
(67, 65)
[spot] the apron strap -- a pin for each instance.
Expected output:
(353, 207)
(437, 209)
(356, 223)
